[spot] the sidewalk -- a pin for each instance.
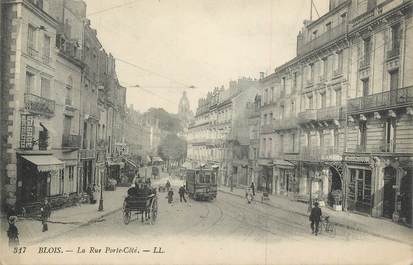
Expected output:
(374, 226)
(66, 219)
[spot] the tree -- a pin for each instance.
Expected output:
(167, 121)
(172, 147)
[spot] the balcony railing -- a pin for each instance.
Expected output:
(330, 113)
(380, 101)
(31, 51)
(393, 53)
(315, 153)
(71, 141)
(87, 154)
(307, 116)
(284, 124)
(365, 63)
(39, 105)
(323, 39)
(266, 128)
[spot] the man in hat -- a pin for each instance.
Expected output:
(45, 212)
(13, 232)
(315, 217)
(182, 191)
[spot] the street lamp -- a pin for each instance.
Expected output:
(101, 192)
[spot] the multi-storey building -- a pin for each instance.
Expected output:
(51, 80)
(379, 144)
(253, 117)
(343, 111)
(35, 86)
(211, 138)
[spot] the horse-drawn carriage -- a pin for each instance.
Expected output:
(144, 204)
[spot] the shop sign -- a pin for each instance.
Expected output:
(26, 131)
(361, 159)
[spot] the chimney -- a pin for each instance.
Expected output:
(261, 75)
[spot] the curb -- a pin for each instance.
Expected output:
(335, 223)
(80, 224)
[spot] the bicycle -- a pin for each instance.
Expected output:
(327, 226)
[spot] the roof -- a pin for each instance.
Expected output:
(45, 162)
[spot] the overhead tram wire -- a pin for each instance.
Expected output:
(154, 73)
(150, 92)
(111, 8)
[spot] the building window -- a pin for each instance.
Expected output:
(336, 139)
(362, 136)
(265, 119)
(338, 97)
(323, 100)
(365, 87)
(394, 79)
(283, 85)
(325, 68)
(292, 107)
(340, 62)
(272, 94)
(367, 51)
(321, 135)
(294, 80)
(29, 82)
(271, 117)
(293, 142)
(328, 26)
(310, 102)
(311, 72)
(266, 96)
(395, 37)
(46, 49)
(282, 111)
(389, 135)
(270, 147)
(69, 91)
(56, 179)
(45, 88)
(31, 40)
(281, 144)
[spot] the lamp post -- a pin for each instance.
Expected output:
(101, 193)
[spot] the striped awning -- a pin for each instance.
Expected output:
(45, 163)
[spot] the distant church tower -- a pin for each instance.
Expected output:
(183, 108)
(184, 112)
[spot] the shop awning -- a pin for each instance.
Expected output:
(265, 162)
(283, 164)
(112, 163)
(45, 162)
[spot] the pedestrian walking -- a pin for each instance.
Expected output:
(182, 191)
(13, 232)
(315, 218)
(170, 196)
(253, 188)
(168, 185)
(45, 212)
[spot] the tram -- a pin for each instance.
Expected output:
(201, 184)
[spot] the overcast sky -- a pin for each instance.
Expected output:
(167, 45)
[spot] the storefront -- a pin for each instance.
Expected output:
(39, 176)
(285, 177)
(265, 179)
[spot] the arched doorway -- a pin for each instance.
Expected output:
(389, 192)
(335, 187)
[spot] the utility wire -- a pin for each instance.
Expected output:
(111, 8)
(315, 8)
(151, 72)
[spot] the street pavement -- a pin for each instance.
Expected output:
(226, 230)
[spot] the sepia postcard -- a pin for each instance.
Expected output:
(206, 132)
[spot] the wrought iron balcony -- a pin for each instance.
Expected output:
(285, 124)
(267, 128)
(393, 53)
(39, 105)
(332, 34)
(87, 154)
(365, 63)
(307, 116)
(71, 141)
(330, 113)
(394, 98)
(316, 153)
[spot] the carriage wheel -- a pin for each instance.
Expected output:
(154, 211)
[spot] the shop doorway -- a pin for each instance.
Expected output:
(406, 198)
(336, 188)
(389, 192)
